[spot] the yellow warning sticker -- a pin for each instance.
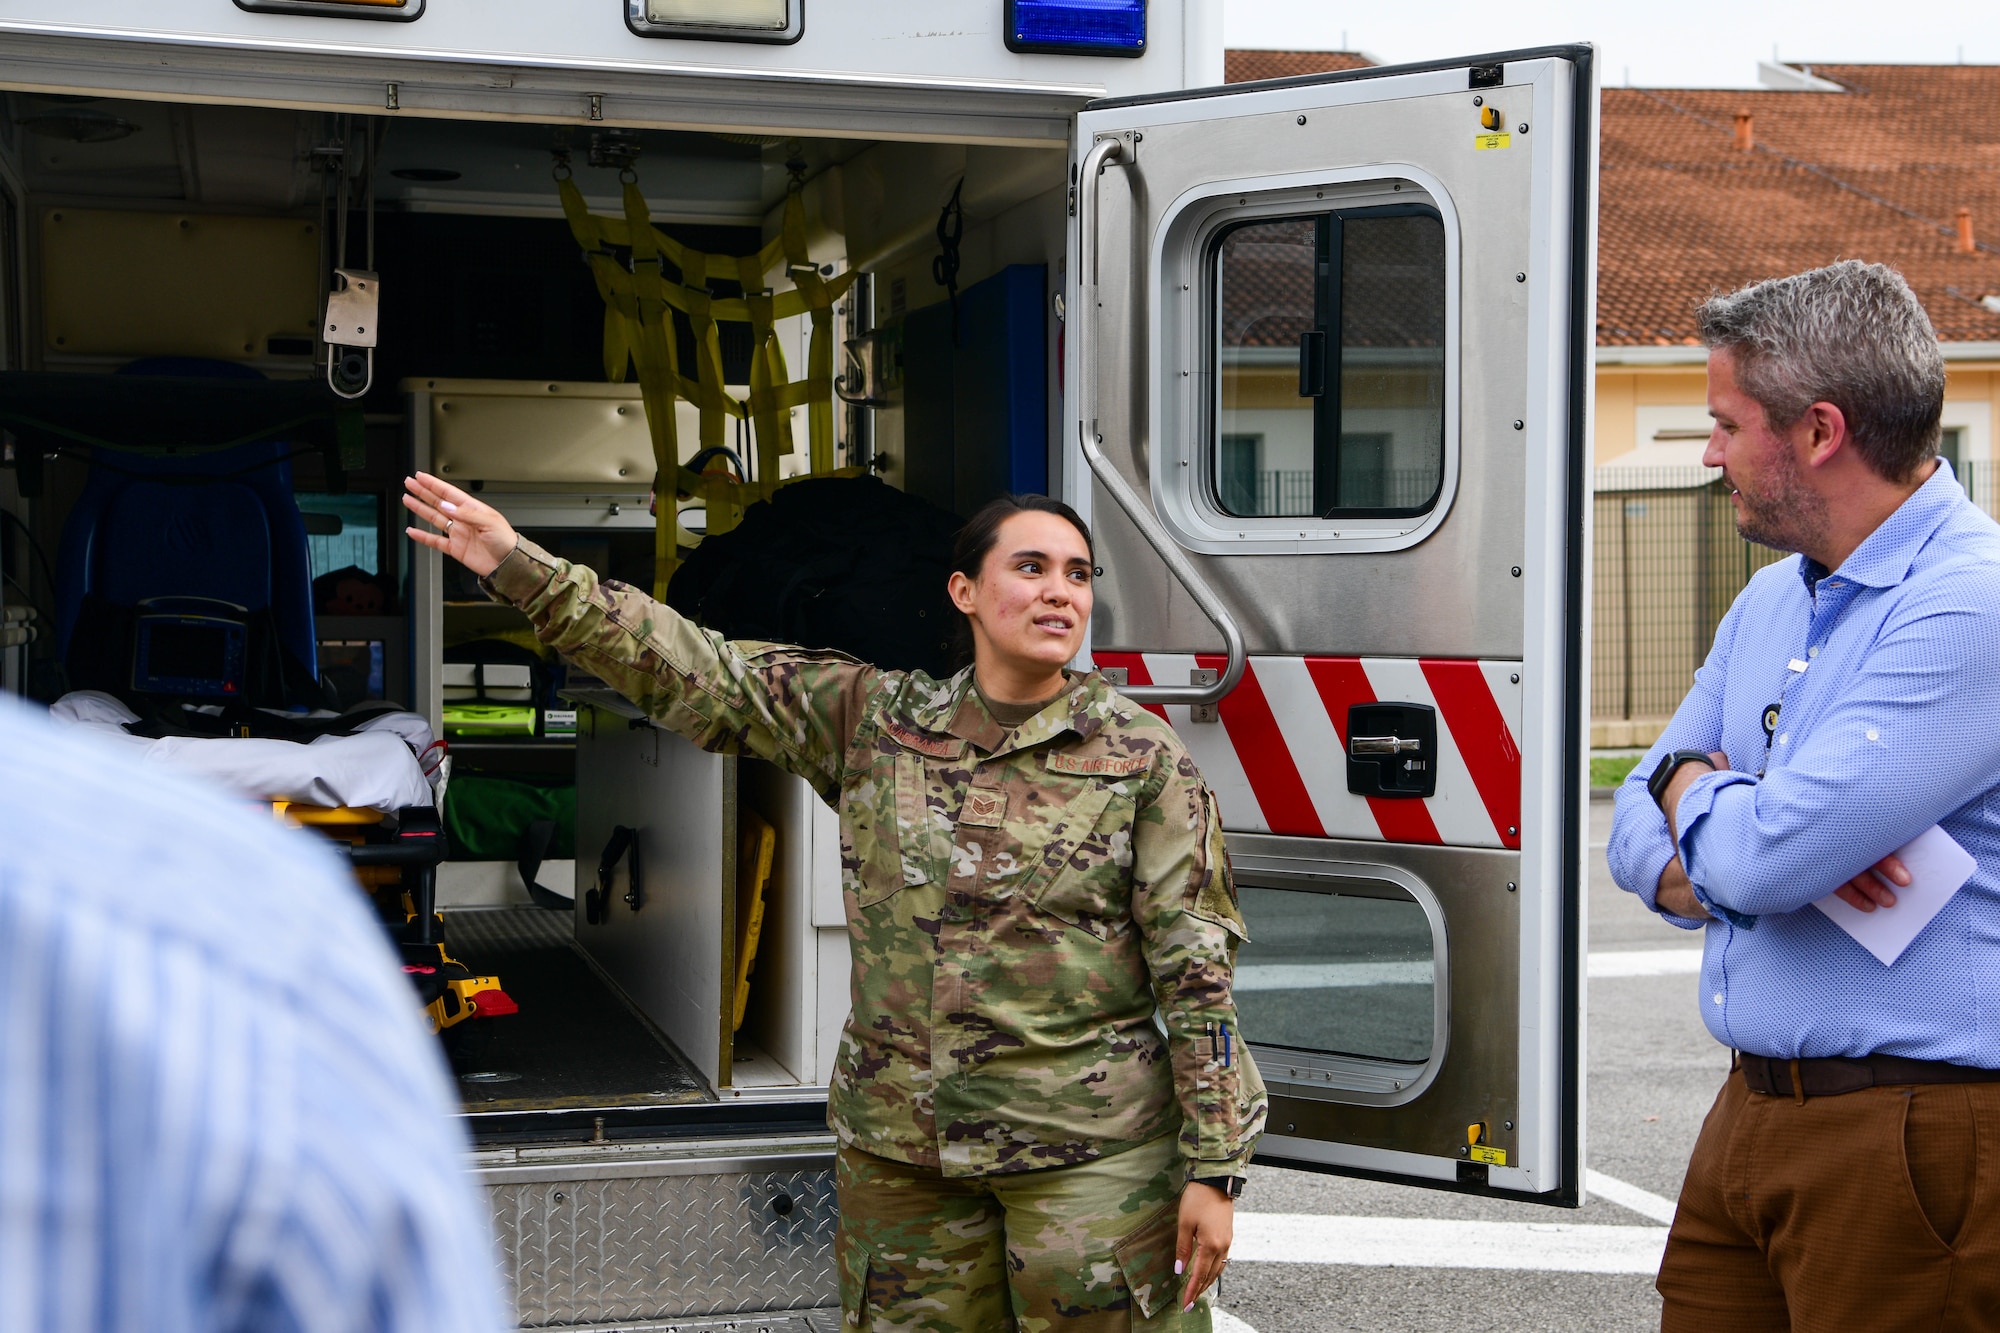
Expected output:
(1483, 141)
(1480, 1152)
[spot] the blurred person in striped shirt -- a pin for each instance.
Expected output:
(219, 1108)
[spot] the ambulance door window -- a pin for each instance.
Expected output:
(342, 531)
(1340, 992)
(1330, 364)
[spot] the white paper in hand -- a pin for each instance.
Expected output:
(1938, 868)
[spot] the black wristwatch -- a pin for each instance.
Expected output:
(1229, 1185)
(1664, 774)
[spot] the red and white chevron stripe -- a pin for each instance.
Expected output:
(1277, 760)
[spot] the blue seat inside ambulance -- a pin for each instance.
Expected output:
(195, 539)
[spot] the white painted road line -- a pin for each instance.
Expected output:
(1646, 963)
(1643, 1202)
(1418, 1242)
(1225, 1322)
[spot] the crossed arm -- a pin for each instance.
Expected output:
(1758, 835)
(1676, 896)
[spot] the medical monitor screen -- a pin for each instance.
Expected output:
(190, 651)
(188, 655)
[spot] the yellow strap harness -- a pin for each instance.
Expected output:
(639, 331)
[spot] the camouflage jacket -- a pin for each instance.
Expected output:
(1020, 903)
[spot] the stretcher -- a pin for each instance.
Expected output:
(375, 768)
(369, 793)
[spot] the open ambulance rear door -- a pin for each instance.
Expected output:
(1328, 391)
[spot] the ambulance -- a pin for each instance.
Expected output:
(1310, 355)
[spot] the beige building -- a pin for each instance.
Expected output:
(1652, 405)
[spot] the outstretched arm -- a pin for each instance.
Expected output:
(791, 706)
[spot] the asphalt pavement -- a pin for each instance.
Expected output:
(1341, 1254)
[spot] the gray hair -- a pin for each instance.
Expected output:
(1850, 334)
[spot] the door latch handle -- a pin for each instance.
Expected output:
(1392, 750)
(1361, 745)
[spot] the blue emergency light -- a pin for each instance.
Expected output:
(1077, 27)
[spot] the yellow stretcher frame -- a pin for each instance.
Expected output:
(339, 821)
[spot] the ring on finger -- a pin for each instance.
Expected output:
(448, 522)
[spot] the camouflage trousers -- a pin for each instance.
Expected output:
(1067, 1249)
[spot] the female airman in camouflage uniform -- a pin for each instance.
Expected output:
(1042, 1053)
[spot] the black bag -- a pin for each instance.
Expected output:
(848, 563)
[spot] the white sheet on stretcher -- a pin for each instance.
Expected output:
(376, 766)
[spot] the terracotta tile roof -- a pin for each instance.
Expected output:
(1249, 66)
(1392, 287)
(1876, 172)
(1267, 283)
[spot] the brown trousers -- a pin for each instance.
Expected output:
(1874, 1210)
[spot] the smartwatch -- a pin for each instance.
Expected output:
(1232, 1186)
(1656, 785)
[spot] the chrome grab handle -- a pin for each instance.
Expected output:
(1101, 153)
(1176, 561)
(1361, 745)
(1204, 597)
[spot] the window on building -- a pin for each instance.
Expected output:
(1237, 472)
(1330, 364)
(1951, 448)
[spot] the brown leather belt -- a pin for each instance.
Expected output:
(1832, 1077)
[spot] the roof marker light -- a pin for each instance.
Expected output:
(396, 11)
(1077, 27)
(781, 21)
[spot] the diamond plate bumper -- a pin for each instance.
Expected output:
(623, 1235)
(825, 1320)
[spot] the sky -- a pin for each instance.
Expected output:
(1688, 44)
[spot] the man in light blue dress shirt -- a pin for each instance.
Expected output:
(219, 1108)
(1847, 1176)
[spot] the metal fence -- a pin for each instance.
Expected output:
(1667, 565)
(1286, 494)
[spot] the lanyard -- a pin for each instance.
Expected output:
(1794, 669)
(1772, 711)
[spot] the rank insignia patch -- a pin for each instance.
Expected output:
(984, 808)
